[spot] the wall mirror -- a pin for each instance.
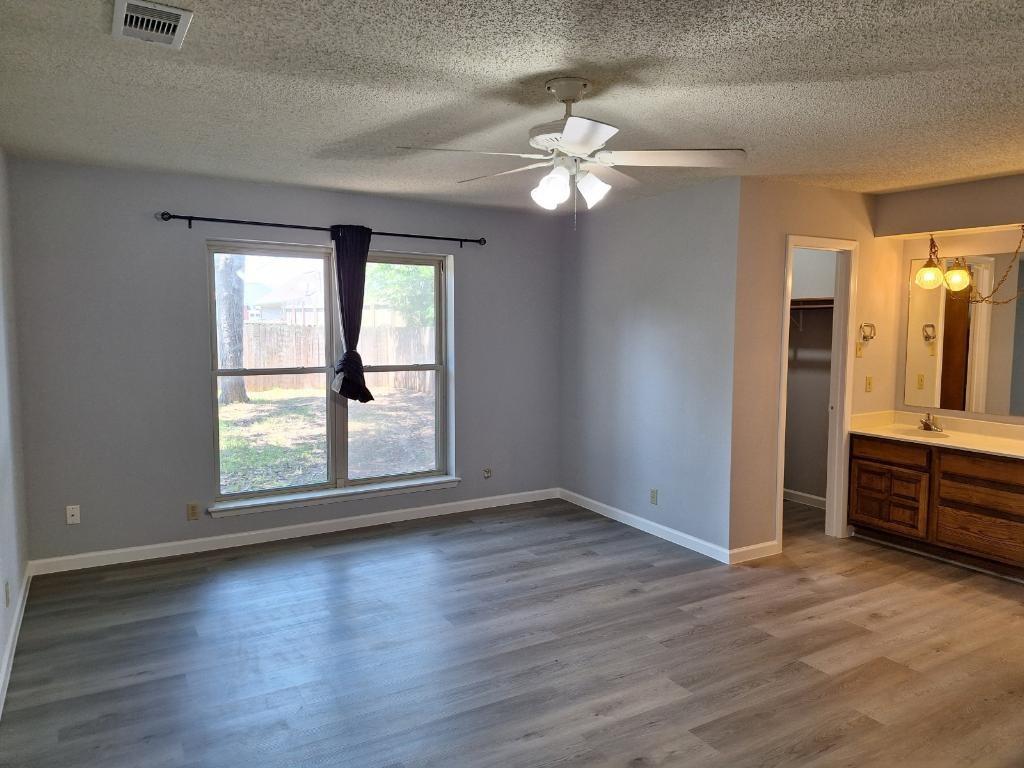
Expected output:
(962, 356)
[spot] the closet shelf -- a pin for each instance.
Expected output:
(823, 303)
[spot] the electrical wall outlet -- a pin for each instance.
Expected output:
(487, 473)
(73, 514)
(920, 381)
(192, 511)
(654, 496)
(868, 384)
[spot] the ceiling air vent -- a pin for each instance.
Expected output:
(151, 22)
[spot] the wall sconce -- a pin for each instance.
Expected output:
(867, 332)
(928, 331)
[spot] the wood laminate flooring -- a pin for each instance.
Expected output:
(532, 635)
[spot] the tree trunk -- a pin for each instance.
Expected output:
(230, 326)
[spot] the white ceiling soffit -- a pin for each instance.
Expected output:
(859, 96)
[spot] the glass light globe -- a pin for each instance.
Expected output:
(558, 182)
(957, 279)
(542, 197)
(929, 276)
(552, 189)
(591, 187)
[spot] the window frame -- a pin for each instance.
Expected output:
(439, 366)
(336, 431)
(270, 249)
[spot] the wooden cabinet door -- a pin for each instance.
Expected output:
(889, 498)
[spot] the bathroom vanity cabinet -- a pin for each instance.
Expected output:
(941, 500)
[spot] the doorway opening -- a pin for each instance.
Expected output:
(818, 346)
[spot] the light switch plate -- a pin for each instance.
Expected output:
(860, 349)
(868, 384)
(920, 381)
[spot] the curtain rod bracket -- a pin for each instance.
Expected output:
(168, 216)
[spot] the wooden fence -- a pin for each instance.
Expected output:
(276, 345)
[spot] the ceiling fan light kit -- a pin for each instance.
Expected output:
(573, 148)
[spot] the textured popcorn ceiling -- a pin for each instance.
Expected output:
(868, 96)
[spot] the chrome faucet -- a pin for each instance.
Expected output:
(928, 423)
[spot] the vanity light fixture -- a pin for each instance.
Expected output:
(958, 278)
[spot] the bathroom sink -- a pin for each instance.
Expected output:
(915, 432)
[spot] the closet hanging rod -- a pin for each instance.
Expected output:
(168, 216)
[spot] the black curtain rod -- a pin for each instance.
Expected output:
(167, 216)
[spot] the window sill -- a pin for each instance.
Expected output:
(280, 501)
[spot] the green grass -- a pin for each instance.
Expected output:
(278, 439)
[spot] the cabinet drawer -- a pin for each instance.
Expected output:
(979, 534)
(976, 494)
(890, 452)
(1006, 471)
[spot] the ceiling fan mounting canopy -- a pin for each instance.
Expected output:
(568, 90)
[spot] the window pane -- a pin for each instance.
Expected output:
(273, 431)
(399, 327)
(394, 434)
(270, 311)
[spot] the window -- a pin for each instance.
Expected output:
(279, 427)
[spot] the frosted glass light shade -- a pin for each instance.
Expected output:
(542, 198)
(592, 188)
(957, 279)
(552, 190)
(929, 276)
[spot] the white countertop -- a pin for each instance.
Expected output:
(989, 437)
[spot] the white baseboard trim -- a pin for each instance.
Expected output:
(754, 552)
(647, 526)
(714, 551)
(230, 540)
(264, 535)
(804, 498)
(7, 660)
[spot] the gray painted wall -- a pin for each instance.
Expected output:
(647, 327)
(13, 528)
(113, 330)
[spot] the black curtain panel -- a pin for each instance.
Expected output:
(351, 246)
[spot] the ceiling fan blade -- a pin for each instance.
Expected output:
(530, 167)
(609, 175)
(581, 136)
(476, 152)
(674, 158)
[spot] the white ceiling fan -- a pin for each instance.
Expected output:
(573, 148)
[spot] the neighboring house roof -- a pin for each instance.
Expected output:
(300, 291)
